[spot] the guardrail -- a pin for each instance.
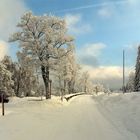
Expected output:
(73, 95)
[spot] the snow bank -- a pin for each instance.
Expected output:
(16, 103)
(124, 108)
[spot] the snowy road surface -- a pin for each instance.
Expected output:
(79, 120)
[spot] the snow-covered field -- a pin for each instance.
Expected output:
(85, 117)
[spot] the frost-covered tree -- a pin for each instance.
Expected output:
(137, 73)
(7, 61)
(40, 37)
(19, 74)
(84, 79)
(65, 73)
(27, 77)
(17, 79)
(74, 70)
(99, 88)
(84, 82)
(60, 73)
(130, 83)
(6, 82)
(11, 67)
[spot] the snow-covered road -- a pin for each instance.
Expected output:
(79, 120)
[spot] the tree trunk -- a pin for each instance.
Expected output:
(69, 87)
(45, 76)
(85, 89)
(73, 87)
(64, 86)
(18, 82)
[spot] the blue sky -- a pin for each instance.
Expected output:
(115, 23)
(102, 29)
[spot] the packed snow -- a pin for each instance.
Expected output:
(84, 117)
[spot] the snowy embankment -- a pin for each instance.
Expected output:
(84, 117)
(122, 110)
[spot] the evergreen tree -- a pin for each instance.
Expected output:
(6, 82)
(137, 73)
(130, 83)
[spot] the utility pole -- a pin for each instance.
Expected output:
(123, 72)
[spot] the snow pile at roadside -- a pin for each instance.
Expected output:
(123, 108)
(16, 103)
(54, 101)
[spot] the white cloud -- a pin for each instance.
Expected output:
(10, 11)
(76, 25)
(108, 75)
(71, 20)
(132, 47)
(133, 2)
(3, 49)
(93, 49)
(105, 12)
(90, 52)
(110, 9)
